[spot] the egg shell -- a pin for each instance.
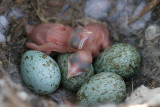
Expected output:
(105, 87)
(40, 72)
(73, 83)
(122, 59)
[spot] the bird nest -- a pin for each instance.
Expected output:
(142, 88)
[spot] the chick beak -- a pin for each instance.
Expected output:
(85, 35)
(73, 70)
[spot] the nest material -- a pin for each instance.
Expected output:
(13, 92)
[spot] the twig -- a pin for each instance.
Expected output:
(76, 6)
(145, 10)
(18, 27)
(51, 18)
(21, 24)
(41, 17)
(4, 59)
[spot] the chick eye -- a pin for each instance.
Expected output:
(85, 66)
(74, 58)
(74, 42)
(76, 30)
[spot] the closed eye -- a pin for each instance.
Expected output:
(74, 42)
(76, 30)
(85, 67)
(74, 58)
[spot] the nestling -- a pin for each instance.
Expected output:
(79, 62)
(48, 37)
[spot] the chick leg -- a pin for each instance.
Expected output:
(48, 47)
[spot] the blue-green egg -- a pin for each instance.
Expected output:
(40, 72)
(105, 87)
(122, 59)
(75, 82)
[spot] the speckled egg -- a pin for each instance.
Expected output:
(73, 83)
(120, 58)
(40, 72)
(105, 87)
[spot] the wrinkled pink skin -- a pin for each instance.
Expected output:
(87, 42)
(48, 37)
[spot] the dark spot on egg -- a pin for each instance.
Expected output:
(50, 61)
(121, 87)
(29, 78)
(115, 85)
(44, 56)
(87, 82)
(117, 96)
(31, 86)
(39, 90)
(99, 100)
(28, 71)
(26, 57)
(45, 92)
(55, 64)
(31, 57)
(83, 95)
(53, 85)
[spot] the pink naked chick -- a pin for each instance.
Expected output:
(87, 42)
(48, 37)
(94, 37)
